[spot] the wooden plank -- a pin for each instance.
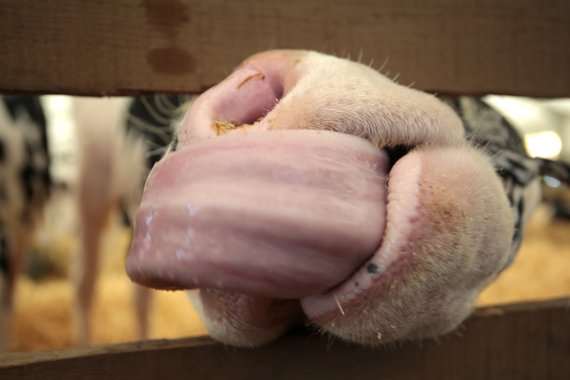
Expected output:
(525, 341)
(118, 47)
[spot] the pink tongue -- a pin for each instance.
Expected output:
(282, 214)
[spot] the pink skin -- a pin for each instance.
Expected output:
(277, 222)
(253, 213)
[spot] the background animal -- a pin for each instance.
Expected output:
(113, 165)
(113, 162)
(25, 186)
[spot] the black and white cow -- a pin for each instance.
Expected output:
(114, 162)
(25, 186)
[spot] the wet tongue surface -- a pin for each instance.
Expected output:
(279, 214)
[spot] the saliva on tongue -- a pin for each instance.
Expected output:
(282, 213)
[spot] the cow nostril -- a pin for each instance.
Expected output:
(245, 99)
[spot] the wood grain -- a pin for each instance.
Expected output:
(524, 341)
(117, 47)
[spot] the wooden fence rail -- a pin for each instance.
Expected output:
(522, 341)
(116, 47)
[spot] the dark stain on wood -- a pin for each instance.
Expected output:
(171, 60)
(168, 16)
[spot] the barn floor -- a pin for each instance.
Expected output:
(44, 319)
